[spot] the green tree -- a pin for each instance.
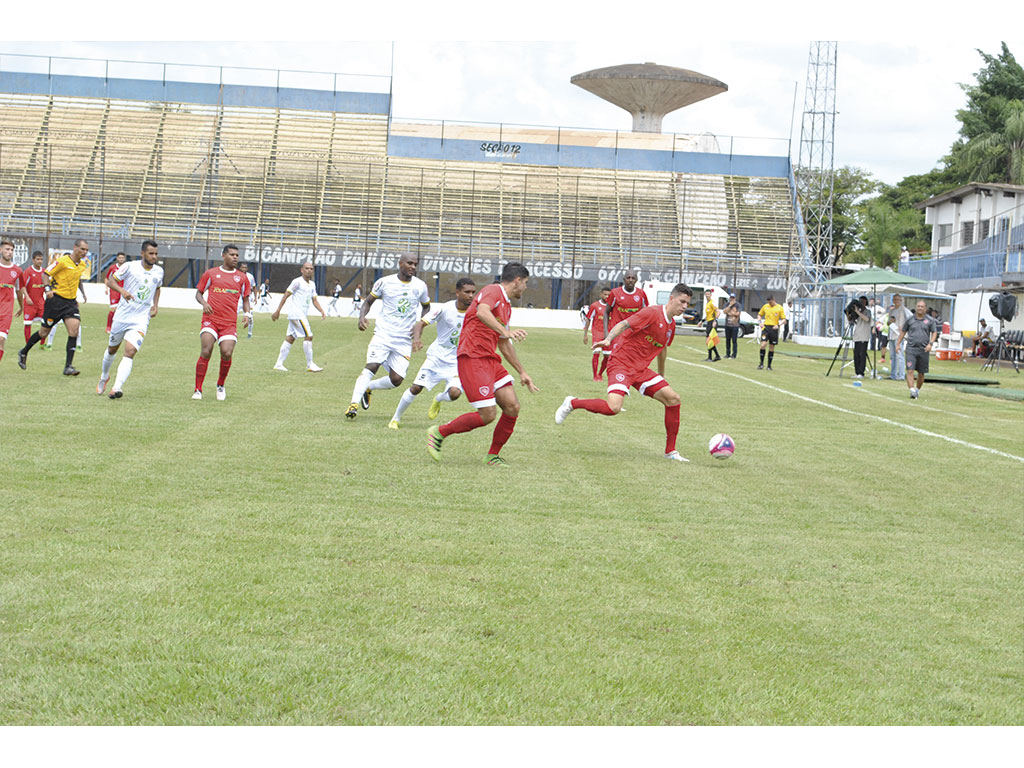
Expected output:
(885, 230)
(850, 186)
(998, 155)
(999, 82)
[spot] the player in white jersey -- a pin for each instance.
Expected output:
(243, 267)
(140, 297)
(392, 344)
(441, 363)
(303, 292)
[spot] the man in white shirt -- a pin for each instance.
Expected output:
(441, 364)
(243, 267)
(302, 291)
(392, 343)
(139, 283)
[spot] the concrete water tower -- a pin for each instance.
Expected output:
(648, 91)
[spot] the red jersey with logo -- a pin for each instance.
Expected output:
(34, 281)
(476, 339)
(10, 287)
(223, 289)
(595, 319)
(624, 304)
(114, 295)
(650, 331)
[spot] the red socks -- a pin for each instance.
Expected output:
(594, 363)
(110, 320)
(604, 364)
(502, 432)
(464, 423)
(594, 406)
(671, 427)
(201, 365)
(225, 366)
(28, 332)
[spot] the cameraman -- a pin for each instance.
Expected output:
(857, 313)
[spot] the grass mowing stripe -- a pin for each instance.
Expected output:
(857, 413)
(916, 405)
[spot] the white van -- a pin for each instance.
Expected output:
(658, 293)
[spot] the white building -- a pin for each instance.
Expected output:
(967, 215)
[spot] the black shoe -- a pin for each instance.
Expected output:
(22, 359)
(364, 401)
(71, 371)
(760, 367)
(769, 367)
(116, 394)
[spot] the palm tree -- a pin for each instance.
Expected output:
(999, 155)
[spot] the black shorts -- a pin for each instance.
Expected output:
(770, 333)
(58, 308)
(917, 359)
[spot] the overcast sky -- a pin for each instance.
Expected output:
(897, 79)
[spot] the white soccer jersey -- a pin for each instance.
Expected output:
(301, 300)
(448, 321)
(142, 283)
(252, 289)
(400, 307)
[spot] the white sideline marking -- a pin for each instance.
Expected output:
(853, 413)
(901, 400)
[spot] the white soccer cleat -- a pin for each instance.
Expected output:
(313, 368)
(564, 410)
(197, 395)
(221, 394)
(102, 386)
(279, 367)
(674, 456)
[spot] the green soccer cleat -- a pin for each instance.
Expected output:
(393, 424)
(493, 460)
(434, 411)
(434, 440)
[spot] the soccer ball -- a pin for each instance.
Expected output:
(721, 446)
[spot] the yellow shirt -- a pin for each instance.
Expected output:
(772, 315)
(710, 310)
(65, 275)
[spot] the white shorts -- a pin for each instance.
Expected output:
(433, 372)
(299, 329)
(394, 357)
(132, 332)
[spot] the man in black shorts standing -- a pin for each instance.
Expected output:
(920, 331)
(62, 302)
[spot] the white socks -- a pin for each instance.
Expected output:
(286, 347)
(307, 347)
(124, 370)
(405, 402)
(108, 360)
(384, 382)
(443, 397)
(362, 382)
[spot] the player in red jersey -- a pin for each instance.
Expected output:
(222, 285)
(623, 302)
(594, 321)
(33, 284)
(10, 289)
(646, 335)
(113, 296)
(484, 380)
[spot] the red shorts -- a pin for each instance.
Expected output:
(6, 315)
(481, 378)
(222, 328)
(646, 381)
(33, 312)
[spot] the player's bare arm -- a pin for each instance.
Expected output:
(617, 331)
(319, 308)
(207, 309)
(113, 286)
(277, 312)
(365, 310)
(662, 356)
(156, 302)
(486, 316)
(246, 312)
(508, 351)
(81, 288)
(417, 335)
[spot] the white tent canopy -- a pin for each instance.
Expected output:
(903, 290)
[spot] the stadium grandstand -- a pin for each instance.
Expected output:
(294, 173)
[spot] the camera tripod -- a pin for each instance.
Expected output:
(844, 347)
(995, 356)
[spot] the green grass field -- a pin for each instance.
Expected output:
(263, 561)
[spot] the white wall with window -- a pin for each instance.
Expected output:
(968, 214)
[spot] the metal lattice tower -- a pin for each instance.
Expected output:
(815, 167)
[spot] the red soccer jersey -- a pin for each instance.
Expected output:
(476, 339)
(34, 281)
(595, 317)
(650, 331)
(114, 295)
(225, 289)
(10, 286)
(624, 304)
